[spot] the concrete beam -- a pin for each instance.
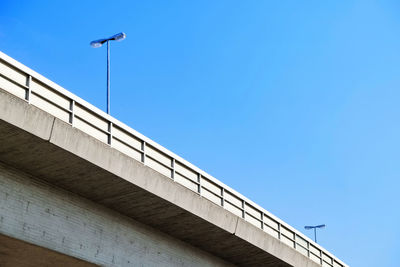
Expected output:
(66, 157)
(15, 252)
(23, 116)
(50, 217)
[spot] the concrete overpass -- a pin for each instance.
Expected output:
(78, 187)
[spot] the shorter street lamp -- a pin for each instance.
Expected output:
(315, 230)
(98, 43)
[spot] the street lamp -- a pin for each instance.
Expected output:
(315, 230)
(98, 43)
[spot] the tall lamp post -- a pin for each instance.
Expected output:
(315, 230)
(98, 43)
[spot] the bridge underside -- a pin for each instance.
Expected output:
(14, 252)
(39, 144)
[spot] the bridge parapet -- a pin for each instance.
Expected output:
(38, 91)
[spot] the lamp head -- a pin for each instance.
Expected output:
(317, 226)
(98, 43)
(118, 37)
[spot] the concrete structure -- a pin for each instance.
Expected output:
(79, 186)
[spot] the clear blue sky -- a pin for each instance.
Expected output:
(295, 104)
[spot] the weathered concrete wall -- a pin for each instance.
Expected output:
(44, 215)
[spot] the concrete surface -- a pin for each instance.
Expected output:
(68, 158)
(50, 217)
(14, 252)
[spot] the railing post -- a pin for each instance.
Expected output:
(320, 256)
(244, 208)
(173, 169)
(262, 220)
(199, 181)
(222, 197)
(279, 231)
(294, 240)
(110, 137)
(72, 112)
(29, 85)
(144, 152)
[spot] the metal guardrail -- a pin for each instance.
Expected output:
(24, 83)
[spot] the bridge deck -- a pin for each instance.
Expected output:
(78, 147)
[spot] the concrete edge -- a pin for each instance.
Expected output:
(31, 119)
(275, 247)
(35, 121)
(96, 152)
